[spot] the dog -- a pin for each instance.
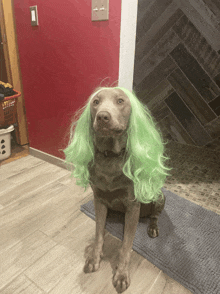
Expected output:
(117, 149)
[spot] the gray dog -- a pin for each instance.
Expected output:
(111, 111)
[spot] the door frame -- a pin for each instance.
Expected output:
(10, 49)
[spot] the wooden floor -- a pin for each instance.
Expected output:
(45, 238)
(17, 151)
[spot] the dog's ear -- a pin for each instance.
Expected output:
(80, 150)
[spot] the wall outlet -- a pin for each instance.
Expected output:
(100, 10)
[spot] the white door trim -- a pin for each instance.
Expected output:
(127, 43)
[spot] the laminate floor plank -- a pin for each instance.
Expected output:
(43, 168)
(18, 166)
(32, 180)
(52, 267)
(6, 185)
(172, 287)
(23, 254)
(49, 208)
(22, 285)
(64, 222)
(29, 213)
(25, 206)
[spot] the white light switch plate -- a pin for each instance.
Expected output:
(34, 15)
(100, 10)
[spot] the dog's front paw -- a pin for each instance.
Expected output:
(153, 231)
(91, 265)
(121, 280)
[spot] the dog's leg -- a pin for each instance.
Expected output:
(156, 209)
(121, 279)
(153, 230)
(93, 262)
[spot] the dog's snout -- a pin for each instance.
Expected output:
(103, 116)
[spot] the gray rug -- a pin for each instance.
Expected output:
(188, 246)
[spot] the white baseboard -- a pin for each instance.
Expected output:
(48, 157)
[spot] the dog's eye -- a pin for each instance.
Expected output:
(96, 102)
(120, 101)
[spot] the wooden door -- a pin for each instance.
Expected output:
(12, 66)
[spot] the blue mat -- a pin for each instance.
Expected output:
(188, 246)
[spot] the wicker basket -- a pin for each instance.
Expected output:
(8, 110)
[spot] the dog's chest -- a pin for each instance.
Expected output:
(107, 174)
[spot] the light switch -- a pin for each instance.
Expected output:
(34, 16)
(100, 10)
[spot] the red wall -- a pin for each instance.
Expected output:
(62, 61)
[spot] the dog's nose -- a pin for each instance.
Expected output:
(103, 116)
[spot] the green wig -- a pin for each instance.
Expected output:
(145, 160)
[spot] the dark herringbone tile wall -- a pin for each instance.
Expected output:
(177, 68)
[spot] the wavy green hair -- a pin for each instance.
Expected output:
(145, 160)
